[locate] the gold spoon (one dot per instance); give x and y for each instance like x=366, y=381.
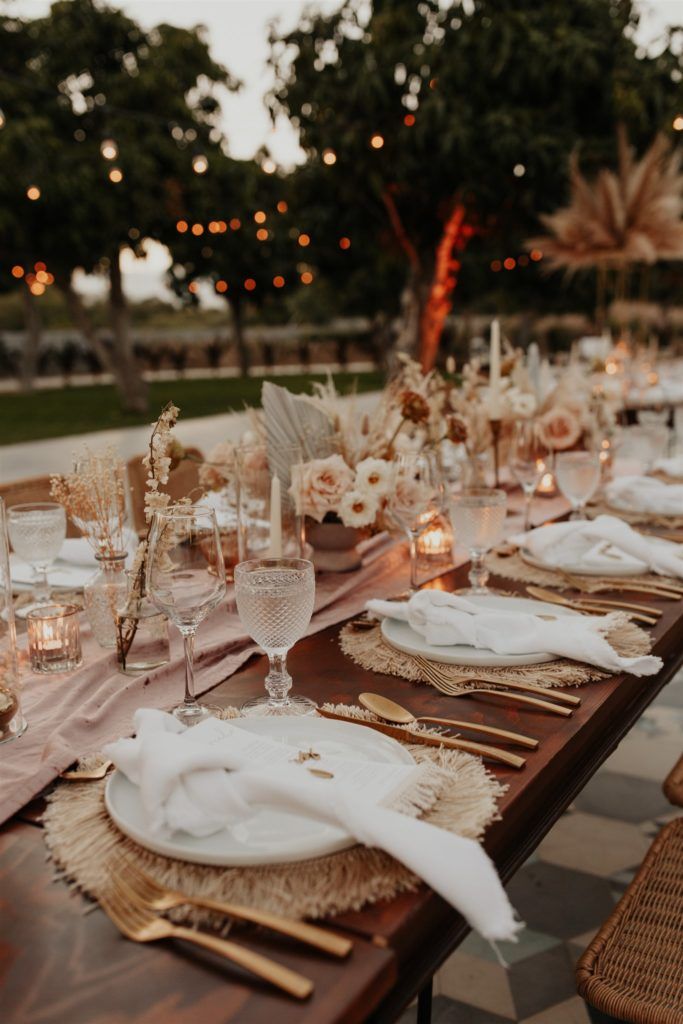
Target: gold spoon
x=390, y=711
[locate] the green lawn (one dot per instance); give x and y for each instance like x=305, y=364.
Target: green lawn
x=80, y=410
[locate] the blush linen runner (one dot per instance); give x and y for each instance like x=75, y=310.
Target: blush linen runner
x=198, y=780
x=595, y=543
x=446, y=619
x=75, y=714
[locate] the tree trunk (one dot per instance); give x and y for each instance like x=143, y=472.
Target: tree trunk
x=79, y=315
x=34, y=328
x=134, y=396
x=439, y=304
x=243, y=355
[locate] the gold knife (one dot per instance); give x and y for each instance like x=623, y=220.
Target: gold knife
x=408, y=736
x=590, y=605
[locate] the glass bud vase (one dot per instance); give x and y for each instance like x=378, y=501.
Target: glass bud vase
x=142, y=642
x=102, y=596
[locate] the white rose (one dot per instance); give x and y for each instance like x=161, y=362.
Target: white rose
x=319, y=486
x=358, y=508
x=373, y=476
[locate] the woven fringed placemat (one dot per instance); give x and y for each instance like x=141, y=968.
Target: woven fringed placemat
x=514, y=567
x=455, y=792
x=601, y=508
x=368, y=649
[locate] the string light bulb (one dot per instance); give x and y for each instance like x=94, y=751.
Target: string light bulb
x=3, y=119
x=116, y=175
x=200, y=163
x=677, y=123
x=329, y=157
x=260, y=217
x=377, y=141
x=33, y=193
x=17, y=270
x=109, y=149
x=304, y=240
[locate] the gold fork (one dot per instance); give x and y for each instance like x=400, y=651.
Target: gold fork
x=598, y=584
x=142, y=925
x=506, y=684
x=150, y=893
x=453, y=686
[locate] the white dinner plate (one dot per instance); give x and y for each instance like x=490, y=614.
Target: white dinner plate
x=73, y=568
x=615, y=563
x=270, y=836
x=403, y=637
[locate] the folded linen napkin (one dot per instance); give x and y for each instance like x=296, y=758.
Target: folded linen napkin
x=446, y=619
x=645, y=494
x=600, y=542
x=196, y=780
x=673, y=467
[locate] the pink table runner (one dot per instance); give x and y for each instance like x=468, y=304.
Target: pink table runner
x=76, y=714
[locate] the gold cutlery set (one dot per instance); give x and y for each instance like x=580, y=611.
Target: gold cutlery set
x=135, y=903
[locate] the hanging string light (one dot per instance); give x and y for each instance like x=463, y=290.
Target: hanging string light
x=377, y=141
x=329, y=157
x=33, y=192
x=200, y=163
x=109, y=149
x=3, y=119
x=116, y=175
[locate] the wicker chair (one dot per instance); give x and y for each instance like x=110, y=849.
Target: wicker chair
x=181, y=481
x=633, y=968
x=36, y=488
x=673, y=784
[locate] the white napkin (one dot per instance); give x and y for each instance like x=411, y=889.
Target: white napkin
x=645, y=494
x=184, y=785
x=673, y=467
x=446, y=619
x=600, y=542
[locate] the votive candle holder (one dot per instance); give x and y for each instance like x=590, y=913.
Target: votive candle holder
x=54, y=638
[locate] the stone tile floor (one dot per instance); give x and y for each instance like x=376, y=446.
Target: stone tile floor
x=569, y=886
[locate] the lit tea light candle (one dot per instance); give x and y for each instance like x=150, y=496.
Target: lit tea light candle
x=547, y=487
x=54, y=640
x=435, y=543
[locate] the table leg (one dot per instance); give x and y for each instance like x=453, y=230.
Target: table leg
x=424, y=1004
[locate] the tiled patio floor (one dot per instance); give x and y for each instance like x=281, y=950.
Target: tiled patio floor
x=570, y=885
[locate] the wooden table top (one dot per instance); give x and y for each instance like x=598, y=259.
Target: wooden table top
x=60, y=965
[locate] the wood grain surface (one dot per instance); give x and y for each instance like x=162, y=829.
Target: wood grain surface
x=62, y=965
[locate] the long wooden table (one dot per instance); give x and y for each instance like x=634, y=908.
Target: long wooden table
x=61, y=965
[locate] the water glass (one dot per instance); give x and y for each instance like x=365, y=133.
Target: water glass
x=478, y=516
x=415, y=501
x=185, y=579
x=12, y=722
x=37, y=531
x=578, y=476
x=275, y=602
x=528, y=462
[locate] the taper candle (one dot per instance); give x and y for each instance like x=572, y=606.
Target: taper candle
x=275, y=548
x=494, y=373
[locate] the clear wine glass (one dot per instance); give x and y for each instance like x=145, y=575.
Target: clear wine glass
x=478, y=516
x=185, y=579
x=275, y=602
x=37, y=531
x=415, y=500
x=528, y=462
x=578, y=476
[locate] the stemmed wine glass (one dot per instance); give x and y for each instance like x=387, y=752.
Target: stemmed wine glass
x=528, y=462
x=37, y=531
x=578, y=476
x=415, y=501
x=478, y=516
x=275, y=602
x=185, y=579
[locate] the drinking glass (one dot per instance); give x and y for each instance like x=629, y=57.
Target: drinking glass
x=578, y=476
x=275, y=603
x=528, y=462
x=415, y=500
x=37, y=531
x=478, y=516
x=185, y=579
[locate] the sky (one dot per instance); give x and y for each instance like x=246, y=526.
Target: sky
x=238, y=36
